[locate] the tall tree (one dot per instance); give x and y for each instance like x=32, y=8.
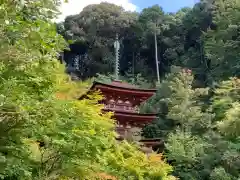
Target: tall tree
x=186, y=47
x=94, y=30
x=152, y=20
x=222, y=43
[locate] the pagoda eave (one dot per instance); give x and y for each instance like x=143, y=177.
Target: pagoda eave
x=120, y=85
x=117, y=90
x=132, y=117
x=151, y=142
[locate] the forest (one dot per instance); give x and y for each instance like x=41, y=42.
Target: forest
x=192, y=58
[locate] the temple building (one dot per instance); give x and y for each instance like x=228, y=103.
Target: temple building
x=124, y=100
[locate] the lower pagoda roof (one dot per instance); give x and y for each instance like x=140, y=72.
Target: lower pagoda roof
x=133, y=117
x=151, y=142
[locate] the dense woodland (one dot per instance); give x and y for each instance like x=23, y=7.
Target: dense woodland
x=46, y=133
x=203, y=38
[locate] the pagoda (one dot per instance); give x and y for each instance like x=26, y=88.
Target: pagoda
x=124, y=100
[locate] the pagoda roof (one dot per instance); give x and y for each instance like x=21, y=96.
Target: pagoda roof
x=121, y=85
x=135, y=114
x=133, y=117
x=129, y=113
x=151, y=142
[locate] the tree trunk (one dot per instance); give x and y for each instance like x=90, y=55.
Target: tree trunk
x=156, y=56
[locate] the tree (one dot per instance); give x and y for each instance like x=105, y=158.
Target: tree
x=178, y=40
x=152, y=19
x=94, y=30
x=186, y=41
x=200, y=131
x=226, y=98
x=176, y=105
x=199, y=148
x=222, y=41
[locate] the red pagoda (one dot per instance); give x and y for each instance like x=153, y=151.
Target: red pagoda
x=124, y=99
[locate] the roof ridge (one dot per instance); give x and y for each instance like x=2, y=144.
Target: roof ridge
x=123, y=85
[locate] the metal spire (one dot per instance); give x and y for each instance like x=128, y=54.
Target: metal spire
x=117, y=47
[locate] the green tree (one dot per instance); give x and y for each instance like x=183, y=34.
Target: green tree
x=94, y=30
x=177, y=104
x=200, y=132
x=204, y=146
x=222, y=42
x=186, y=44
x=212, y=152
x=227, y=98
x=153, y=21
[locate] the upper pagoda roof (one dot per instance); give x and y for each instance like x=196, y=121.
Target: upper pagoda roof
x=121, y=85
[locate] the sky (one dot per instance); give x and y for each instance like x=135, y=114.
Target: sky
x=76, y=6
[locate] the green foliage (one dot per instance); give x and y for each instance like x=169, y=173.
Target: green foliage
x=125, y=159
x=216, y=152
x=226, y=95
x=204, y=38
x=222, y=42
x=202, y=141
x=105, y=78
x=185, y=44
x=185, y=151
x=152, y=19
x=45, y=132
x=228, y=120
x=93, y=31
x=220, y=174
x=198, y=109
x=178, y=104
x=230, y=125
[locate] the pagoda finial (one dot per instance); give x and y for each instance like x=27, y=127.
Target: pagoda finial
x=117, y=46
